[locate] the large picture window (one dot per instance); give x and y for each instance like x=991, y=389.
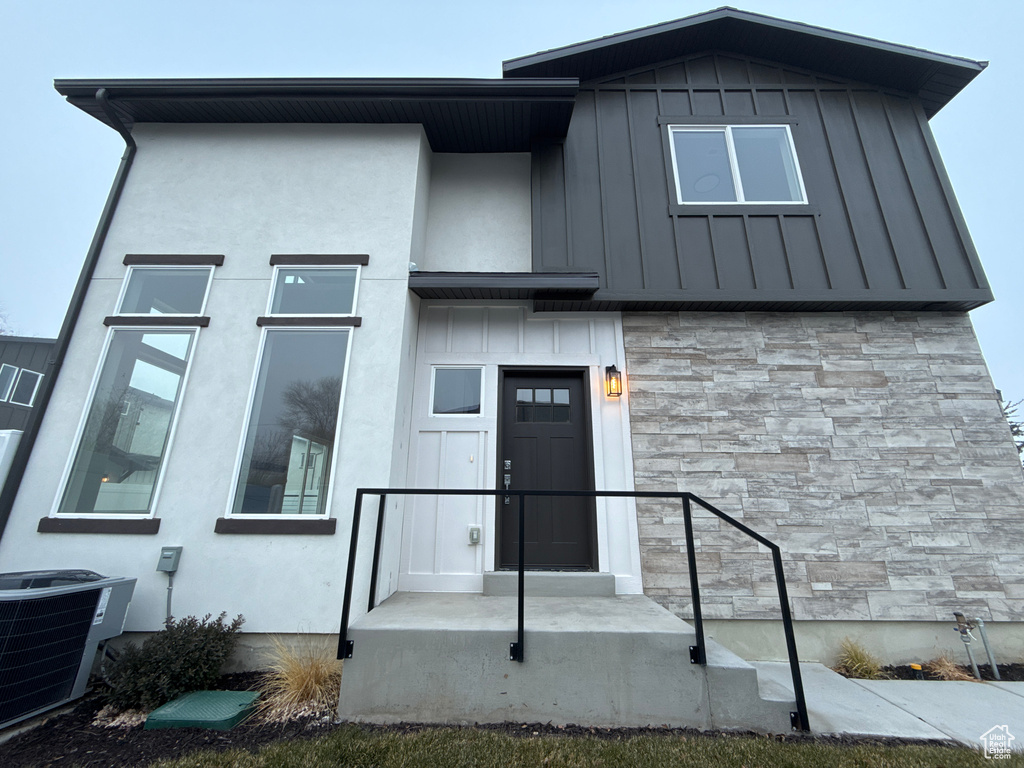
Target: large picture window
x=735, y=164
x=120, y=455
x=289, y=444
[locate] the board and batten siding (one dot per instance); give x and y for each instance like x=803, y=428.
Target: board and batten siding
x=881, y=227
x=462, y=451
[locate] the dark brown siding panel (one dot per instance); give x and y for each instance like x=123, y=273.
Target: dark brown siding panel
x=707, y=103
x=806, y=261
x=696, y=253
x=816, y=154
x=739, y=103
x=673, y=73
x=676, y=103
x=583, y=189
x=859, y=193
x=768, y=253
x=903, y=219
x=661, y=267
x=733, y=71
x=771, y=103
x=924, y=178
x=702, y=71
x=549, y=215
x=625, y=261
x=762, y=73
x=732, y=256
x=881, y=226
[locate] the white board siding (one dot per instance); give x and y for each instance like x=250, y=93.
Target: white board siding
x=461, y=451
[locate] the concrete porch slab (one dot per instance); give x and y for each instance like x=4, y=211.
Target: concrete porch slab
x=609, y=661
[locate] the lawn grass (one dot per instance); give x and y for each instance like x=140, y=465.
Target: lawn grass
x=354, y=747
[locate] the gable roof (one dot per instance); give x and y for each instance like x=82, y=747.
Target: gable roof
x=934, y=77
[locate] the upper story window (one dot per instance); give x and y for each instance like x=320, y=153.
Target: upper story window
x=754, y=164
x=165, y=291
x=306, y=291
x=18, y=386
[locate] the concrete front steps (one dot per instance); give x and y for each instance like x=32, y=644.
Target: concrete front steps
x=596, y=659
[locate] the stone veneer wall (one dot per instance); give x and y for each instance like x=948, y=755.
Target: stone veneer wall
x=869, y=445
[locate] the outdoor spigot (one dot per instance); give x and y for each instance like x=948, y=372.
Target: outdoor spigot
x=964, y=627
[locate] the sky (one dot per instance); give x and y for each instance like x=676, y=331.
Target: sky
x=57, y=164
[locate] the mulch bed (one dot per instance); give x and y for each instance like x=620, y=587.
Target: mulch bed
x=71, y=739
x=1008, y=673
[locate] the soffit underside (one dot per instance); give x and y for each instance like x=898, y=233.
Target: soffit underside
x=456, y=115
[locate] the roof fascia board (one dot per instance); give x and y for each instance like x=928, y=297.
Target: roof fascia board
x=743, y=16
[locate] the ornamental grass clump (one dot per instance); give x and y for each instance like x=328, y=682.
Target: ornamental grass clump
x=185, y=656
x=301, y=682
x=944, y=668
x=855, y=661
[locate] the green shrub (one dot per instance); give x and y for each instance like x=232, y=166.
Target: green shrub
x=184, y=656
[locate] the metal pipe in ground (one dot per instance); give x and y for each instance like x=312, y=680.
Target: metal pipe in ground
x=988, y=648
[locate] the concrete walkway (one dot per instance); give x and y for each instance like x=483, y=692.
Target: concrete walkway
x=912, y=709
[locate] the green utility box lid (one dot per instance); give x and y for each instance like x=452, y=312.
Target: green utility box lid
x=220, y=710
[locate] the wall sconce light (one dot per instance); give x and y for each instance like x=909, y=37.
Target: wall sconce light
x=612, y=382
x=105, y=478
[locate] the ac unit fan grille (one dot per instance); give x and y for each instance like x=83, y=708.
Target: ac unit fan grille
x=41, y=645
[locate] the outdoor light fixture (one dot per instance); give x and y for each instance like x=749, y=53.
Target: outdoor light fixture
x=612, y=381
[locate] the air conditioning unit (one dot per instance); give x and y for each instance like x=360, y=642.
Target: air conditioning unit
x=51, y=625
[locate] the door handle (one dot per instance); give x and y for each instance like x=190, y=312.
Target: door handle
x=508, y=482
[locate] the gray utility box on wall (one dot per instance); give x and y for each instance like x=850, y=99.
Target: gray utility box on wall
x=51, y=624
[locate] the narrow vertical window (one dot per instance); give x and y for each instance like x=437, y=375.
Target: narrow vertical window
x=24, y=391
x=289, y=445
x=121, y=451
x=8, y=373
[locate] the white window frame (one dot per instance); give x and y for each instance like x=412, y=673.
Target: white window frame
x=17, y=380
x=313, y=316
x=250, y=401
x=727, y=130
x=168, y=268
x=79, y=432
x=433, y=380
x=14, y=380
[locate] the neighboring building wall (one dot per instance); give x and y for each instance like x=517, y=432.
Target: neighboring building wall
x=24, y=353
x=869, y=446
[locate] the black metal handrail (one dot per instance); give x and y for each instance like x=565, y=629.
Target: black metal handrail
x=698, y=655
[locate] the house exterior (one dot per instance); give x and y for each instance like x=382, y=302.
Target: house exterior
x=24, y=362
x=304, y=287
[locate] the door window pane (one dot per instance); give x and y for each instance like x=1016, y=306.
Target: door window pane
x=289, y=440
x=124, y=442
x=310, y=291
x=767, y=172
x=456, y=391
x=25, y=390
x=702, y=162
x=156, y=291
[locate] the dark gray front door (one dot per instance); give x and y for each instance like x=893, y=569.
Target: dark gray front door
x=545, y=446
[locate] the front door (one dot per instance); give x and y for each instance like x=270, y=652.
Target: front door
x=545, y=446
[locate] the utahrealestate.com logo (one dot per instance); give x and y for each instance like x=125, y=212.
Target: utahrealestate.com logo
x=996, y=741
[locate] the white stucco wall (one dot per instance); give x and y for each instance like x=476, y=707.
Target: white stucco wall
x=479, y=214
x=246, y=192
